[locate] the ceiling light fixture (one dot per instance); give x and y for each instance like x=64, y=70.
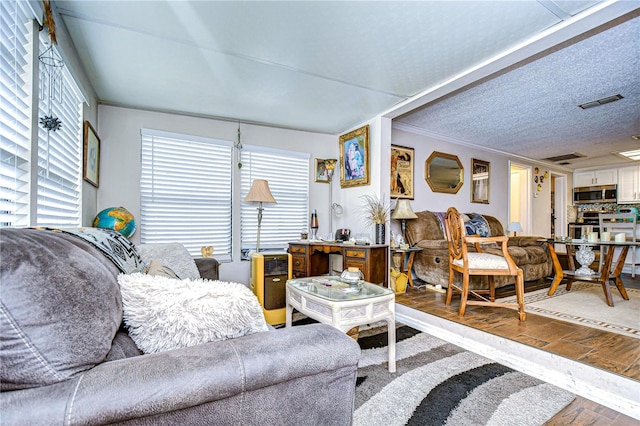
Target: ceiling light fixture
x=633, y=154
x=602, y=101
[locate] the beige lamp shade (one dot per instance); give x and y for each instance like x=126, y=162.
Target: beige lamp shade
x=260, y=192
x=403, y=210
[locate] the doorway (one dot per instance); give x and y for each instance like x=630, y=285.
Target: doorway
x=520, y=196
x=559, y=224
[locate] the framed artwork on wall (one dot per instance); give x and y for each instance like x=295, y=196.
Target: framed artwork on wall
x=401, y=172
x=479, y=181
x=91, y=156
x=354, y=158
x=321, y=171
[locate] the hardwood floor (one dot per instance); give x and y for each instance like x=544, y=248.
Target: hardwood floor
x=609, y=351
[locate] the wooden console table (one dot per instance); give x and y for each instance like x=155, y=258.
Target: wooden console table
x=312, y=259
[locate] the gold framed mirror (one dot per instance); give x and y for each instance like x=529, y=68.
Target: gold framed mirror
x=444, y=172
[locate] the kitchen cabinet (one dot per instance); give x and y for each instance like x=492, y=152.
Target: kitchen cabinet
x=629, y=184
x=595, y=177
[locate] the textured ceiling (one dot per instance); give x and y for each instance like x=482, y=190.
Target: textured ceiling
x=533, y=109
x=329, y=66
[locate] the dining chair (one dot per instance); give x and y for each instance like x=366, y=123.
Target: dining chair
x=620, y=223
x=470, y=263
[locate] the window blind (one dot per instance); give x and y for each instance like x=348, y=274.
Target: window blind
x=288, y=175
x=15, y=110
x=59, y=152
x=185, y=192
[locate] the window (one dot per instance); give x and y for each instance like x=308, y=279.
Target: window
x=185, y=192
x=52, y=197
x=287, y=173
x=59, y=152
x=15, y=110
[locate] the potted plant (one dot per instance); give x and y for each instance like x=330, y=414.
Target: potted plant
x=376, y=212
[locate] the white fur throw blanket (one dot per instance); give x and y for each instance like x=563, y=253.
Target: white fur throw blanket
x=164, y=313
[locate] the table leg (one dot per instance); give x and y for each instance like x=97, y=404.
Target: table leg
x=391, y=343
x=618, y=270
x=572, y=265
x=410, y=266
x=288, y=313
x=557, y=269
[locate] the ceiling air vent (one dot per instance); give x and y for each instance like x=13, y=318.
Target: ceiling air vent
x=564, y=157
x=601, y=101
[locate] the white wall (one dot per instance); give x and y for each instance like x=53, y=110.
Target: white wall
x=119, y=131
x=349, y=198
x=426, y=199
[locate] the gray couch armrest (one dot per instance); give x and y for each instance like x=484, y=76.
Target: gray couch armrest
x=208, y=267
x=297, y=375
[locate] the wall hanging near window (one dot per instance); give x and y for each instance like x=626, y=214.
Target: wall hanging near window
x=51, y=64
x=91, y=163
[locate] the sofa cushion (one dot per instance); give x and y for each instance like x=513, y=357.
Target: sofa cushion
x=60, y=310
x=163, y=313
x=158, y=269
x=173, y=255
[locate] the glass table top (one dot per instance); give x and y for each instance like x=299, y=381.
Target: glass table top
x=331, y=288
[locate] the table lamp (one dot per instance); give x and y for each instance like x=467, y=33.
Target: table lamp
x=403, y=212
x=259, y=193
x=515, y=227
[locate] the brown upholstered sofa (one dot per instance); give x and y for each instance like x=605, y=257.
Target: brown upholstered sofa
x=432, y=264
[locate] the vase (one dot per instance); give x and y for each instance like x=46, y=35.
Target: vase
x=380, y=233
x=585, y=257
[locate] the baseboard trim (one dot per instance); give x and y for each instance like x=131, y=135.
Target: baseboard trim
x=611, y=390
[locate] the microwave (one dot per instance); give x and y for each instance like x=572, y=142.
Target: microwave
x=595, y=194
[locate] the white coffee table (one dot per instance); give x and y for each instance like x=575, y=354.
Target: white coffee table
x=344, y=307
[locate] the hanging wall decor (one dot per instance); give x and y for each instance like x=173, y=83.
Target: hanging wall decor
x=51, y=67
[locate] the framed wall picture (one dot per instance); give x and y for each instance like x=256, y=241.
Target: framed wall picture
x=354, y=158
x=401, y=172
x=479, y=181
x=91, y=162
x=322, y=174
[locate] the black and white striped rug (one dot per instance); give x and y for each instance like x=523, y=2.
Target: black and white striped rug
x=438, y=383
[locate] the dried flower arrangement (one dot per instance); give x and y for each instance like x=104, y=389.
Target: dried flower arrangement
x=376, y=210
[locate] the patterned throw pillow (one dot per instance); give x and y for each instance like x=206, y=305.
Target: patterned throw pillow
x=112, y=244
x=477, y=225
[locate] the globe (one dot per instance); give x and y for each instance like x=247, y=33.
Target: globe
x=117, y=218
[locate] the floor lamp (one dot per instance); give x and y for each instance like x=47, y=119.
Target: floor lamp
x=330, y=165
x=260, y=193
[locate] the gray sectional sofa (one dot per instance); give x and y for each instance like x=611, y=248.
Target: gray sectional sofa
x=66, y=358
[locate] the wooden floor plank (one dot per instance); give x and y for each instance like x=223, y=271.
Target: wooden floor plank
x=614, y=352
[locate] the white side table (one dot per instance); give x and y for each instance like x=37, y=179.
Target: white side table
x=343, y=307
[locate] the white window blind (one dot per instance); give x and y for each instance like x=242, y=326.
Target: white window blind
x=288, y=176
x=15, y=110
x=59, y=152
x=185, y=192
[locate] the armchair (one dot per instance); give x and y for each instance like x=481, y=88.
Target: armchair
x=478, y=263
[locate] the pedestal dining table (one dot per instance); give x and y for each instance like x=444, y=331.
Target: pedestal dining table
x=585, y=256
